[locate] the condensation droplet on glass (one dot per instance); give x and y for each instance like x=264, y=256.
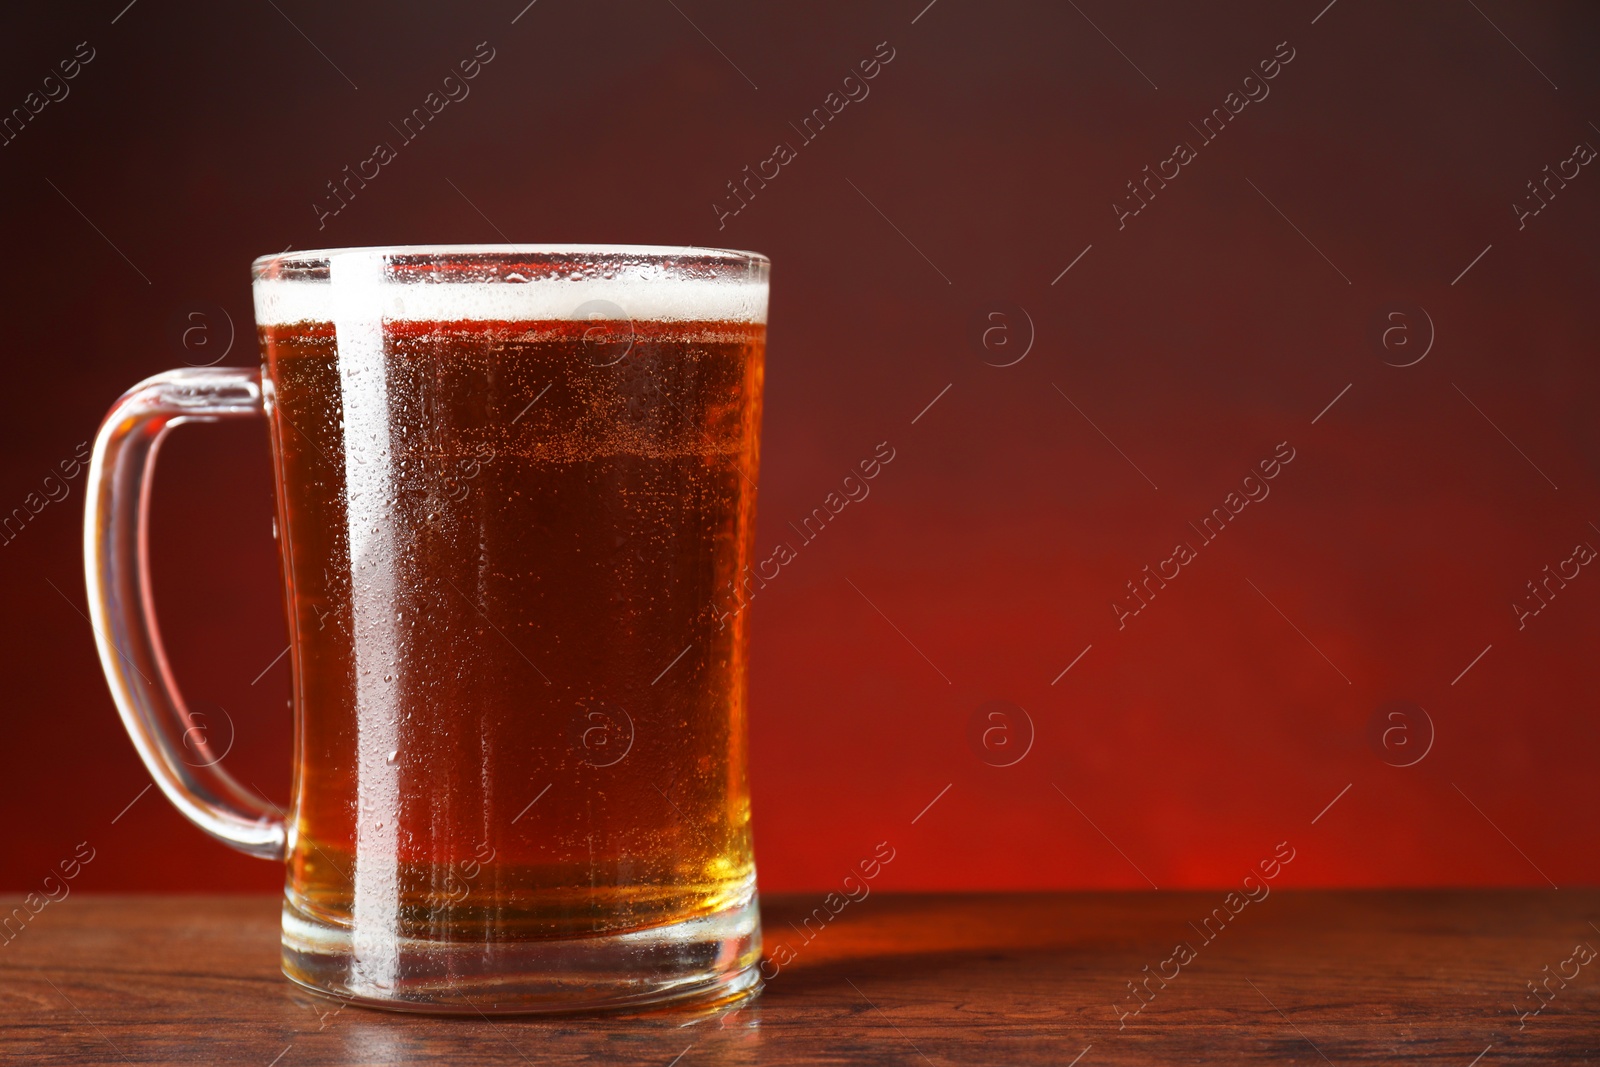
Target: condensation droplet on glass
x=394, y=755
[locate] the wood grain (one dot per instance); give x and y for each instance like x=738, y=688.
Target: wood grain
x=1304, y=977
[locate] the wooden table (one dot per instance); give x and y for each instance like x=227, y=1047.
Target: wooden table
x=1302, y=977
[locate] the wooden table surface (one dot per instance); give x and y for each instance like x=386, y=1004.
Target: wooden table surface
x=1301, y=977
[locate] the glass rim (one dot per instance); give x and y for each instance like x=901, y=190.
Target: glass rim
x=264, y=267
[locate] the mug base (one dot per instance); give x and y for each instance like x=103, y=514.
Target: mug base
x=710, y=961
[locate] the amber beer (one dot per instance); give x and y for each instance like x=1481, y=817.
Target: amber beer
x=561, y=751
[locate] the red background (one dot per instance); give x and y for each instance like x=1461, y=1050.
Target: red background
x=1177, y=751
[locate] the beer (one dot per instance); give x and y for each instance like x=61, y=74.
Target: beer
x=520, y=716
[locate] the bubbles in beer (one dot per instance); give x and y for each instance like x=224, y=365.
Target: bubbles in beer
x=545, y=559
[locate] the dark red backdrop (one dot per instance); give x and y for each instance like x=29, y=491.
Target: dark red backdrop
x=1177, y=352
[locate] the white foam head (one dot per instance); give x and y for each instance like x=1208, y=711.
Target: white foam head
x=569, y=282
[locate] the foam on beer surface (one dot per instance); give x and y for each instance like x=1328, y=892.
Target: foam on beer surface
x=281, y=302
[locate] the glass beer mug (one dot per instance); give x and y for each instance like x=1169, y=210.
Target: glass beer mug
x=515, y=496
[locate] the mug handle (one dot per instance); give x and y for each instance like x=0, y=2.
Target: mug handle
x=117, y=569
